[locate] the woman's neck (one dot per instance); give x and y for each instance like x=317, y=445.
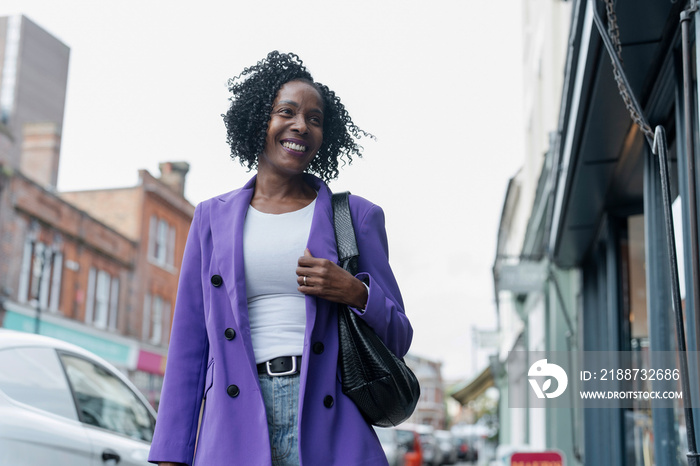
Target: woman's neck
x=277, y=195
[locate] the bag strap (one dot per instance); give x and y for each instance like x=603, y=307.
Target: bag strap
x=348, y=252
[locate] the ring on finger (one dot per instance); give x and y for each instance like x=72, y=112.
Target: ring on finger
x=304, y=280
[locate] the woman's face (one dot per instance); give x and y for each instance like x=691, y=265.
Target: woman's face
x=295, y=129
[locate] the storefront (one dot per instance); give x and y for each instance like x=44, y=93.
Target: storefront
x=607, y=214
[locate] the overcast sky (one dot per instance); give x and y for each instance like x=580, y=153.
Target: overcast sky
x=439, y=84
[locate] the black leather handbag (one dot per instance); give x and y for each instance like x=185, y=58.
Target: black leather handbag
x=381, y=385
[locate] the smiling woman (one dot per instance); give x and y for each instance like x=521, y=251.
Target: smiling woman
x=253, y=93
x=254, y=343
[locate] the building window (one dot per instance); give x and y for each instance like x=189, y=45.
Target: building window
x=40, y=274
x=156, y=320
x=114, y=304
x=161, y=242
x=102, y=305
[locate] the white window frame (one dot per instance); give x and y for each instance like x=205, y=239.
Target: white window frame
x=102, y=288
x=146, y=317
x=166, y=322
x=102, y=301
x=90, y=298
x=170, y=254
x=161, y=242
x=55, y=297
x=114, y=305
x=25, y=271
x=161, y=252
x=48, y=279
x=156, y=320
x=44, y=284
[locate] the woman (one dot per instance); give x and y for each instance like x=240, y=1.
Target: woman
x=254, y=343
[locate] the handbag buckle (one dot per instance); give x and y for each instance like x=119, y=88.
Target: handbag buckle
x=279, y=374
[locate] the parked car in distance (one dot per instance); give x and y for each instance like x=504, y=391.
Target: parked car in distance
x=429, y=445
x=63, y=405
x=446, y=446
x=466, y=450
x=393, y=449
x=409, y=440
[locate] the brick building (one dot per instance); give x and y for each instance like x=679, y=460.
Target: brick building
x=155, y=217
x=98, y=268
x=431, y=408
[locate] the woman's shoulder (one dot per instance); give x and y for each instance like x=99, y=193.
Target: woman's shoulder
x=206, y=204
x=227, y=196
x=360, y=207
x=360, y=202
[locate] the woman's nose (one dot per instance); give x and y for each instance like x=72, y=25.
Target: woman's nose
x=299, y=124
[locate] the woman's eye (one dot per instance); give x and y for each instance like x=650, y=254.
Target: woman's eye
x=285, y=111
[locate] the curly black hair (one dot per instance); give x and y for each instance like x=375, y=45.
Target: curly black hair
x=253, y=93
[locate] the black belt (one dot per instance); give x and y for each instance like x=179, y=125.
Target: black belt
x=284, y=365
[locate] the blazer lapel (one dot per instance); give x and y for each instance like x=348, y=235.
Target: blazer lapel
x=322, y=236
x=321, y=241
x=227, y=220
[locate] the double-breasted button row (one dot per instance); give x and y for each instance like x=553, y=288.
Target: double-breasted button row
x=319, y=348
x=216, y=280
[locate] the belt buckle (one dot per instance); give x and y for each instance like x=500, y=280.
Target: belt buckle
x=279, y=374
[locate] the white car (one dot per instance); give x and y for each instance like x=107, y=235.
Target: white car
x=62, y=405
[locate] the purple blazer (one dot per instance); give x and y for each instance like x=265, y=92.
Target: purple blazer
x=210, y=359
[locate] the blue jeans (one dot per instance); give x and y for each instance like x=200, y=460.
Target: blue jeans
x=281, y=395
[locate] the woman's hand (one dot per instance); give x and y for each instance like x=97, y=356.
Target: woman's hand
x=170, y=464
x=325, y=279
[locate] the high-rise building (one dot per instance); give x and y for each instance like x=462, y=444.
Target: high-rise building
x=33, y=80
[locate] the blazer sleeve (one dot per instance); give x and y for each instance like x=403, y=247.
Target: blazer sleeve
x=384, y=311
x=183, y=386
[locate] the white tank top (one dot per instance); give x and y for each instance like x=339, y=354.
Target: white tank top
x=272, y=245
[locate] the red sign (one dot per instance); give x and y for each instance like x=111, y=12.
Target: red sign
x=541, y=458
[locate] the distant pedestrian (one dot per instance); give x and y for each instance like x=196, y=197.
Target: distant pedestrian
x=254, y=344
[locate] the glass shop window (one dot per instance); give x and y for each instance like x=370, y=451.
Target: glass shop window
x=639, y=447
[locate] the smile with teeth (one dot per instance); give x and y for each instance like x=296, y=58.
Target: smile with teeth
x=293, y=146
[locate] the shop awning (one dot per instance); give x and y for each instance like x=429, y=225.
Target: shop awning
x=473, y=389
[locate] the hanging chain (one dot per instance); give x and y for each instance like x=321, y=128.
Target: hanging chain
x=613, y=29
x=614, y=32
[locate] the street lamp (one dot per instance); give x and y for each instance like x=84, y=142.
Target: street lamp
x=43, y=255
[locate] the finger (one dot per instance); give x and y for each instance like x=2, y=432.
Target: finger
x=305, y=270
x=307, y=253
x=309, y=261
x=303, y=280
